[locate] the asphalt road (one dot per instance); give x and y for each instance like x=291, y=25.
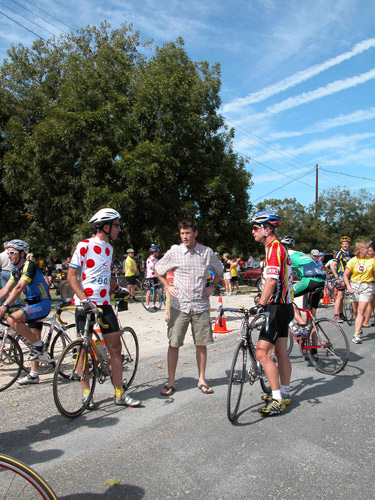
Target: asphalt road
x=184, y=446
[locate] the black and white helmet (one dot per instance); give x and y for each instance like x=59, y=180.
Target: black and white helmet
x=315, y=252
x=19, y=245
x=104, y=216
x=288, y=241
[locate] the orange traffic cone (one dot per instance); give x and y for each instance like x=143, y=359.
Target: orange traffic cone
x=326, y=299
x=223, y=327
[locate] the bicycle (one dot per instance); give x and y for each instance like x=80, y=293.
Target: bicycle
x=325, y=344
x=348, y=312
x=245, y=347
x=15, y=349
x=157, y=296
x=19, y=482
x=87, y=357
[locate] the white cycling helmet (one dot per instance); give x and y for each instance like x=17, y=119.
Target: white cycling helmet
x=19, y=245
x=288, y=241
x=315, y=252
x=104, y=216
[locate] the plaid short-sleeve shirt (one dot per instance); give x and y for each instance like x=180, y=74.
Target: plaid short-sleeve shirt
x=190, y=269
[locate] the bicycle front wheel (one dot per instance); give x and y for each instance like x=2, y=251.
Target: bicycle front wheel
x=11, y=360
x=65, y=335
x=78, y=363
x=348, y=310
x=129, y=355
x=328, y=346
x=20, y=482
x=236, y=380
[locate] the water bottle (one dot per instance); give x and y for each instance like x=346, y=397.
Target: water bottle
x=99, y=343
x=296, y=329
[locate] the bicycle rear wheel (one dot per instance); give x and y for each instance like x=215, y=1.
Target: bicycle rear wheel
x=67, y=391
x=11, y=359
x=328, y=346
x=20, y=482
x=129, y=355
x=236, y=380
x=348, y=310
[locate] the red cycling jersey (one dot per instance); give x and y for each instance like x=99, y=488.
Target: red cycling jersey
x=278, y=266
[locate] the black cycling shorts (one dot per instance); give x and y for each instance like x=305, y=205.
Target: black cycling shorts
x=130, y=280
x=280, y=317
x=108, y=318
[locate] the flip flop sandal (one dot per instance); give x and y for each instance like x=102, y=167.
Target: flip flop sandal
x=168, y=388
x=208, y=390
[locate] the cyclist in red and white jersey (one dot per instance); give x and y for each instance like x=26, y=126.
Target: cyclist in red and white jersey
x=276, y=299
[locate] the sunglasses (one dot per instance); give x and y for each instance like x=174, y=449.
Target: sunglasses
x=12, y=253
x=256, y=228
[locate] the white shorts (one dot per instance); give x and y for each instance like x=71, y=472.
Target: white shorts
x=362, y=292
x=228, y=276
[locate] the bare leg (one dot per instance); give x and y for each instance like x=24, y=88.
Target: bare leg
x=284, y=365
x=172, y=365
x=263, y=355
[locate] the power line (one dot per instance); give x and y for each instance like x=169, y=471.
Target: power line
x=348, y=175
x=27, y=19
x=40, y=17
x=38, y=36
x=48, y=14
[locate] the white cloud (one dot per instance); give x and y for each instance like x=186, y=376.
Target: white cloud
x=299, y=77
x=356, y=117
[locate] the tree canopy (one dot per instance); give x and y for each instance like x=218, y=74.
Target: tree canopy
x=89, y=121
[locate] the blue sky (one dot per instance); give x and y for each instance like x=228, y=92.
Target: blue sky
x=298, y=76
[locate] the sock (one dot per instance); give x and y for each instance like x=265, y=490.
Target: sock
x=285, y=389
x=119, y=391
x=86, y=392
x=33, y=374
x=277, y=395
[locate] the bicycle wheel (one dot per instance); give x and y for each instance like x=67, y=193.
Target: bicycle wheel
x=328, y=346
x=129, y=355
x=66, y=291
x=236, y=380
x=11, y=359
x=156, y=298
x=67, y=391
x=290, y=342
x=65, y=335
x=20, y=482
x=348, y=310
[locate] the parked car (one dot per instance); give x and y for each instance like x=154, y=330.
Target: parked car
x=253, y=275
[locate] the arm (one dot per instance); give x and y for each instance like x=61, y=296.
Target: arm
x=347, y=273
x=14, y=291
x=268, y=289
x=76, y=285
x=334, y=268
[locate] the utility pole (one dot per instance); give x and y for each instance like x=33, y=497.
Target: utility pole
x=316, y=191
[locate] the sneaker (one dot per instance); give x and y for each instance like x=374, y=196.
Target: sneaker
x=286, y=398
x=273, y=408
x=35, y=352
x=126, y=400
x=28, y=380
x=147, y=307
x=341, y=318
x=238, y=291
x=357, y=339
x=91, y=405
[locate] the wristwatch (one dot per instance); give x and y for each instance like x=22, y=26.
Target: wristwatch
x=6, y=305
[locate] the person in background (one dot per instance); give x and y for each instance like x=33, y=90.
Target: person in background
x=359, y=277
x=338, y=267
x=130, y=273
x=227, y=276
x=370, y=309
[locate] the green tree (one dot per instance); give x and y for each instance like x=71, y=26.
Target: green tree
x=91, y=122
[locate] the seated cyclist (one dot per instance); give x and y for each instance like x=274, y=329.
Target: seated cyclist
x=311, y=277
x=26, y=278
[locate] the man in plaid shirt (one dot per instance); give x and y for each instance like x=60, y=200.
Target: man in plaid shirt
x=190, y=262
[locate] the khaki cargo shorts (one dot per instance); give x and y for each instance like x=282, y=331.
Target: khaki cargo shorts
x=200, y=327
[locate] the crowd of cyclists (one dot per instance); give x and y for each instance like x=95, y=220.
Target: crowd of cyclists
x=287, y=273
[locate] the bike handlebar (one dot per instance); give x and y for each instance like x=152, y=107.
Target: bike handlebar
x=97, y=313
x=246, y=312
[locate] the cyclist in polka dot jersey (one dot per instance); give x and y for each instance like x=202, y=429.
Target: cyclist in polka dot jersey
x=89, y=276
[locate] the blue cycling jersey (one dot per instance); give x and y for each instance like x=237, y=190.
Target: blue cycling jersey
x=36, y=289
